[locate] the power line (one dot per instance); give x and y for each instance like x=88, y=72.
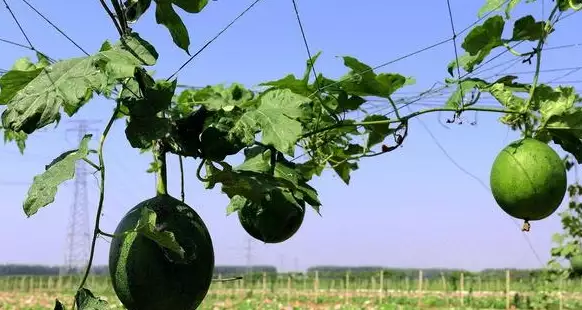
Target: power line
x=55, y=27
x=213, y=39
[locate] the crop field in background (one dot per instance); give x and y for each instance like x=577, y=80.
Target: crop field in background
x=285, y=291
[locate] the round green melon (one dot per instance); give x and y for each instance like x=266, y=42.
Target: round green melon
x=528, y=179
x=146, y=276
x=576, y=264
x=273, y=221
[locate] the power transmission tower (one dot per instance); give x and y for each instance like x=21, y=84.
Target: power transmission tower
x=249, y=255
x=78, y=235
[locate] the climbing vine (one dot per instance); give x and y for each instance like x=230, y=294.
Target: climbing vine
x=271, y=127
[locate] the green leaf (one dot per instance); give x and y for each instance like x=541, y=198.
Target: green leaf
x=184, y=138
x=277, y=116
x=309, y=67
x=561, y=119
x=135, y=9
x=120, y=61
x=310, y=168
x=557, y=238
x=249, y=184
x=22, y=73
x=554, y=103
x=292, y=83
x=464, y=87
x=362, y=81
x=526, y=28
x=566, y=127
x=217, y=97
x=506, y=96
x=140, y=132
x=156, y=98
x=341, y=163
x=67, y=84
x=191, y=6
x=166, y=239
x=236, y=203
x=216, y=144
x=59, y=305
x=570, y=142
x=144, y=125
x=346, y=102
x=466, y=61
x=483, y=38
x=376, y=132
x=44, y=186
x=496, y=5
x=85, y=300
x=18, y=137
x=252, y=181
x=298, y=86
x=139, y=48
x=258, y=159
x=167, y=16
x=479, y=43
x=245, y=129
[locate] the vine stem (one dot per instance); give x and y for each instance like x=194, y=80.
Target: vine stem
x=409, y=116
x=182, y=191
x=162, y=172
x=104, y=5
x=199, y=171
x=96, y=230
x=538, y=54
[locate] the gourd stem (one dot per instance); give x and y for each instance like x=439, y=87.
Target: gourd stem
x=526, y=226
x=162, y=172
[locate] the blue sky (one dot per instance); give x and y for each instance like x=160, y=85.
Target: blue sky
x=410, y=208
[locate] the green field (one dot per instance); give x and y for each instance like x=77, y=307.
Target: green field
x=285, y=291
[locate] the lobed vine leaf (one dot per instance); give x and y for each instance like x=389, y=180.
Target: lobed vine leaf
x=561, y=119
x=44, y=186
x=218, y=97
x=362, y=81
x=85, y=300
x=167, y=16
x=21, y=73
x=59, y=305
x=376, y=132
x=342, y=162
x=123, y=57
x=35, y=97
x=527, y=28
x=480, y=41
x=212, y=122
x=484, y=38
x=18, y=137
x=496, y=5
x=145, y=124
x=465, y=86
x=134, y=9
x=260, y=159
x=252, y=181
x=148, y=226
x=67, y=84
x=277, y=116
x=191, y=6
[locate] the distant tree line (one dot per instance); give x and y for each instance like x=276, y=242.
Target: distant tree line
x=324, y=272
x=452, y=275
x=224, y=271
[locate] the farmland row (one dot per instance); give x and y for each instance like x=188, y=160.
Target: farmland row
x=312, y=291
